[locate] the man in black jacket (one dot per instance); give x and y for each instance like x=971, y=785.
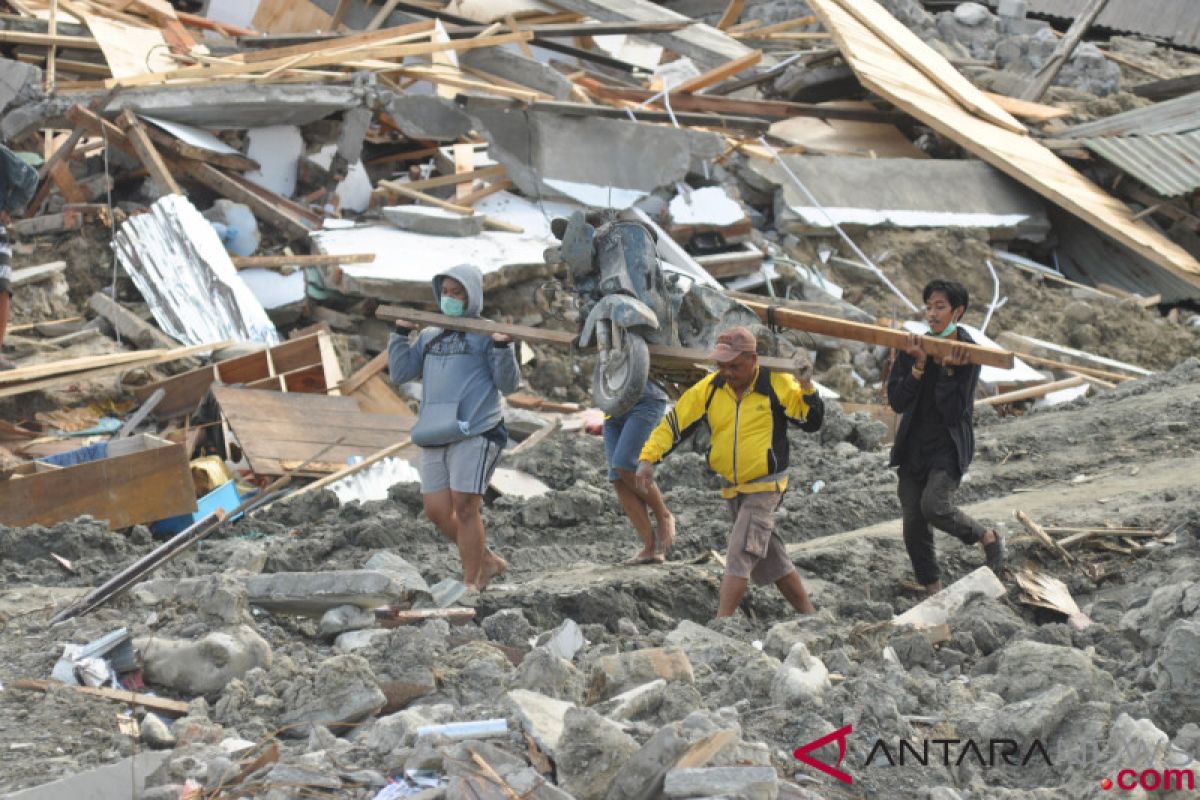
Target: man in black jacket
x=935, y=440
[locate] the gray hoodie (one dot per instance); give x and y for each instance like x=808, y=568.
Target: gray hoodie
x=463, y=374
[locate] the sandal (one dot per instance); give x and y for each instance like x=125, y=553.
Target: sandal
x=996, y=553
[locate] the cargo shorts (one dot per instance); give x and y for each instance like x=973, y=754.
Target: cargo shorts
x=755, y=550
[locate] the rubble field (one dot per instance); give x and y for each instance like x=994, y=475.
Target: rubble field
x=217, y=580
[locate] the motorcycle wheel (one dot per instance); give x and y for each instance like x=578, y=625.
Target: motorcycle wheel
x=618, y=385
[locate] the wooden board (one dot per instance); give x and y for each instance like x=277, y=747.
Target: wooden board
x=847, y=137
x=144, y=479
x=887, y=73
x=273, y=428
x=290, y=16
x=130, y=50
x=184, y=392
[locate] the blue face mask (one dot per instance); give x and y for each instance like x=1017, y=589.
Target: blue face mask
x=452, y=306
x=948, y=331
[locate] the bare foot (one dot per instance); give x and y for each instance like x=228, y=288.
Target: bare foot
x=666, y=534
x=493, y=565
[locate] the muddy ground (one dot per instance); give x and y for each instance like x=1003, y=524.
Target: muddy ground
x=1128, y=457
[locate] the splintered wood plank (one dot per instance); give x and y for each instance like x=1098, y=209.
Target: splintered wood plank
x=886, y=72
x=719, y=73
x=464, y=164
x=234, y=161
x=273, y=428
x=136, y=487
x=174, y=708
x=148, y=154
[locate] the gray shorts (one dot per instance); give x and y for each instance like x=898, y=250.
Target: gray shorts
x=755, y=550
x=465, y=467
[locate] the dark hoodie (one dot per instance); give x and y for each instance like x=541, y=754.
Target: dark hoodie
x=462, y=374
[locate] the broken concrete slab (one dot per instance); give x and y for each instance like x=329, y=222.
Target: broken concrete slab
x=692, y=742
x=901, y=192
x=611, y=675
x=740, y=783
x=341, y=691
x=591, y=753
x=937, y=609
x=345, y=618
x=540, y=716
x=315, y=593
x=519, y=69
x=231, y=106
x=433, y=221
x=406, y=573
x=119, y=781
x=20, y=84
x=394, y=276
x=634, y=702
x=604, y=163
x=421, y=116
x=204, y=666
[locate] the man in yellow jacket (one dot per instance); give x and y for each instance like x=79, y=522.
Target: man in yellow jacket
x=748, y=411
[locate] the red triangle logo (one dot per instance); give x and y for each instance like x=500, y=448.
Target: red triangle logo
x=802, y=753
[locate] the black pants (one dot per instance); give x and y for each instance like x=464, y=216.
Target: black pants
x=930, y=502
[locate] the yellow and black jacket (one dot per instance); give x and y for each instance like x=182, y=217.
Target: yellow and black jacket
x=749, y=446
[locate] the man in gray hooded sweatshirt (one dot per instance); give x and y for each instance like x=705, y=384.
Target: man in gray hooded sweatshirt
x=460, y=427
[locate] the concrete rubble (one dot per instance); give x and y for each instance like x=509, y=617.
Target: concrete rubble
x=272, y=184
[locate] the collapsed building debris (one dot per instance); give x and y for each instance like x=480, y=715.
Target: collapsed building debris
x=233, y=208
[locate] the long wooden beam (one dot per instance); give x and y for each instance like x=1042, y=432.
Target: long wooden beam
x=174, y=708
x=873, y=334
x=717, y=104
x=1030, y=392
x=148, y=154
x=49, y=40
x=533, y=335
x=319, y=260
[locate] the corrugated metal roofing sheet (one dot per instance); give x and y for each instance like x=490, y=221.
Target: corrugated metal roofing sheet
x=1172, y=116
x=1169, y=164
x=1174, y=21
x=1086, y=256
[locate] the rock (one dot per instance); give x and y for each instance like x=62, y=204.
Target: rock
x=409, y=575
x=476, y=672
x=566, y=640
x=299, y=777
x=345, y=618
x=817, y=631
x=243, y=555
x=20, y=84
x=205, y=666
x=508, y=626
x=543, y=672
x=540, y=716
x=155, y=733
x=217, y=598
x=1139, y=745
x=591, y=751
x=1148, y=623
x=636, y=702
x=743, y=783
x=357, y=640
x=611, y=675
x=399, y=730
x=802, y=678
x=989, y=623
x=317, y=592
x=690, y=743
x=706, y=648
x=971, y=14
x=1176, y=695
x=913, y=649
x=1187, y=738
x=1024, y=669
x=1034, y=718
x=341, y=690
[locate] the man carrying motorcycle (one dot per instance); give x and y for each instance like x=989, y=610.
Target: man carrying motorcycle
x=748, y=410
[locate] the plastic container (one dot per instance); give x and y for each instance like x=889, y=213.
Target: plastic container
x=224, y=497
